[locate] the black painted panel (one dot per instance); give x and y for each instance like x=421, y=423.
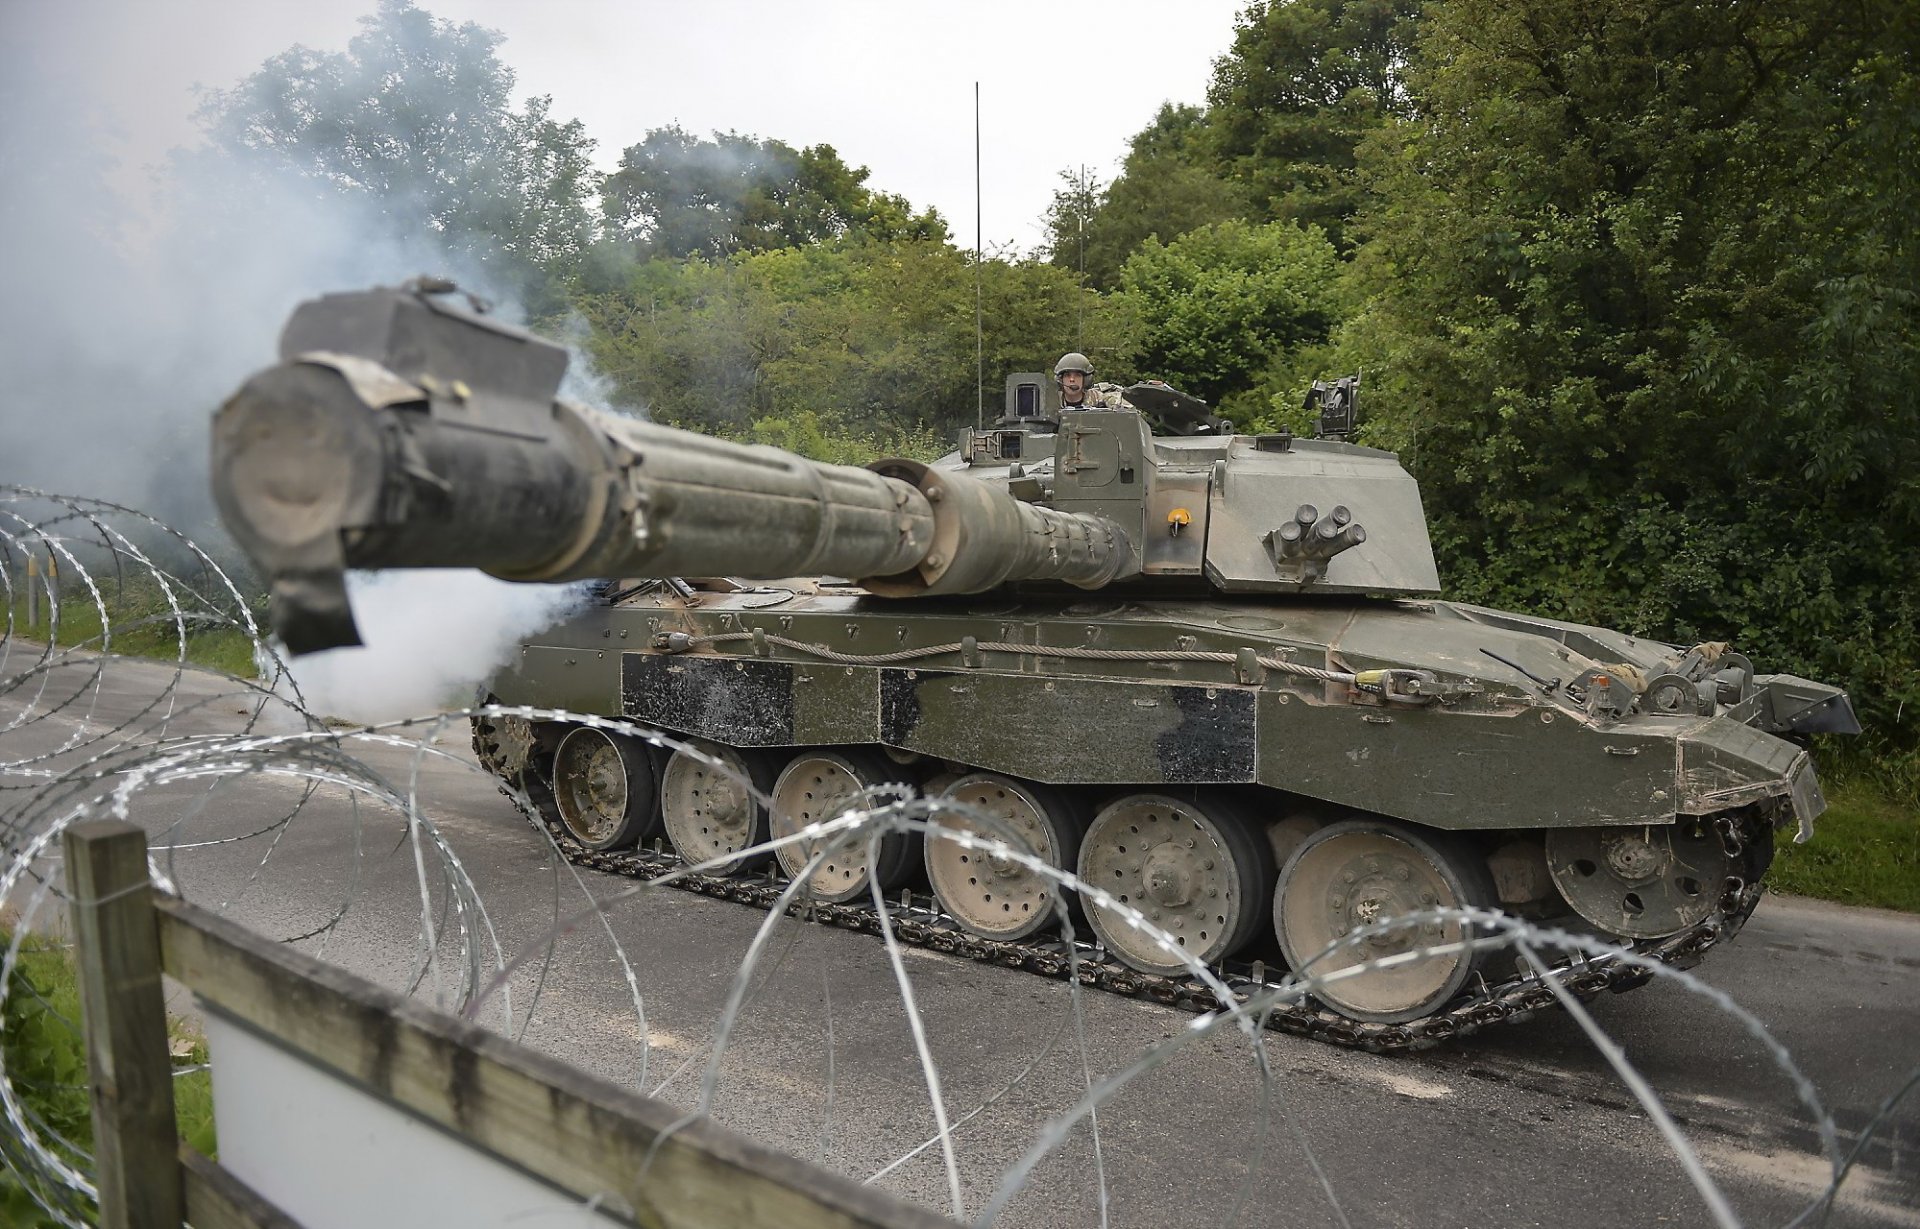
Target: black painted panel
x=1215, y=740
x=742, y=701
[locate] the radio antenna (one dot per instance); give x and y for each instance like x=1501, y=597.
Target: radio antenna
x=979, y=336
x=1081, y=208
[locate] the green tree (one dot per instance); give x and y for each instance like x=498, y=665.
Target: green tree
x=1644, y=301
x=1071, y=220
x=416, y=118
x=1304, y=82
x=1166, y=188
x=1220, y=306
x=680, y=195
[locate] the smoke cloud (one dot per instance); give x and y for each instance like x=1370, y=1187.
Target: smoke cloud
x=430, y=637
x=124, y=320
x=126, y=316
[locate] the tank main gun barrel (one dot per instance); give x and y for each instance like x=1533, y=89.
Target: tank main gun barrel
x=400, y=431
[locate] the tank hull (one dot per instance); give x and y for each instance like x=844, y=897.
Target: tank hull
x=1370, y=758
x=1498, y=755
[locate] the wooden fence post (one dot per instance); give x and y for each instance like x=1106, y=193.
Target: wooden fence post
x=117, y=949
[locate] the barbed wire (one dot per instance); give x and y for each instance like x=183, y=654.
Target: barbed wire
x=248, y=794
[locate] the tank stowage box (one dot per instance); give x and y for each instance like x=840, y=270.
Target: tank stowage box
x=1209, y=672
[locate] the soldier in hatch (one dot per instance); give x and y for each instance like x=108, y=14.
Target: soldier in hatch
x=1074, y=374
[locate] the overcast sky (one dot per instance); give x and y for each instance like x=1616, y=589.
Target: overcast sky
x=890, y=85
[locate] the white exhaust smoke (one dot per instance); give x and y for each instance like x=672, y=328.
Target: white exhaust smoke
x=430, y=638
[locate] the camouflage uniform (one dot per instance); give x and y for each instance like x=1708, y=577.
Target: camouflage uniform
x=1103, y=396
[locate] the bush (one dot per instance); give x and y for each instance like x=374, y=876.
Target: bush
x=46, y=1062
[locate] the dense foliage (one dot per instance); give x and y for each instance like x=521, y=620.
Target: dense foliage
x=1633, y=283
x=873, y=338
x=1640, y=287
x=1224, y=304
x=1305, y=82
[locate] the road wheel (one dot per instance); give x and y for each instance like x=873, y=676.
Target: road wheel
x=817, y=786
x=709, y=812
x=991, y=895
x=1358, y=872
x=605, y=788
x=1193, y=868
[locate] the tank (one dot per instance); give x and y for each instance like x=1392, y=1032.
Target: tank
x=1208, y=672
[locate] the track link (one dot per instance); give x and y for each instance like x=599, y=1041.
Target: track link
x=917, y=920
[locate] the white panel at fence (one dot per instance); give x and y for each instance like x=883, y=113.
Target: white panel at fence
x=332, y=1155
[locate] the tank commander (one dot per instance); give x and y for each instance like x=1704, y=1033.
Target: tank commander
x=1074, y=376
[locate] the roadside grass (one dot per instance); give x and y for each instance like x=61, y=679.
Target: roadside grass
x=1865, y=851
x=143, y=625
x=46, y=1062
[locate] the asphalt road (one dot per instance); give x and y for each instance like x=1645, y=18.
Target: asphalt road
x=1525, y=1125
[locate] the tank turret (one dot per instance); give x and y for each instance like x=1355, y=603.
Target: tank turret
x=401, y=431
x=1207, y=672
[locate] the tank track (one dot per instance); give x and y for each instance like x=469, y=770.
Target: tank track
x=917, y=920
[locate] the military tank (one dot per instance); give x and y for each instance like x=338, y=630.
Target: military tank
x=1209, y=672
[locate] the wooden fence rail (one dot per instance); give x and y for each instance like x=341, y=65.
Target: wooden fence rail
x=583, y=1137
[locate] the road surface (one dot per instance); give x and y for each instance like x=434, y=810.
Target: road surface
x=1520, y=1126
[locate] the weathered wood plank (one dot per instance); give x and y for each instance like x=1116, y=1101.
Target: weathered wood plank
x=581, y=1134
x=135, y=1141
x=218, y=1200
